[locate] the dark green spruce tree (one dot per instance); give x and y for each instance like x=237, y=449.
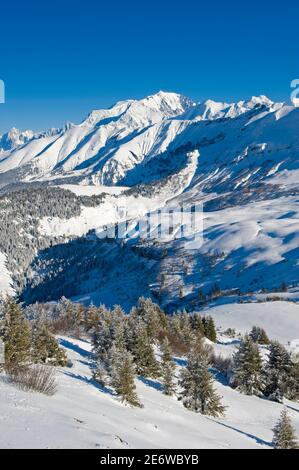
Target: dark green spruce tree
x=167, y=368
x=145, y=360
x=45, y=348
x=123, y=377
x=247, y=368
x=284, y=434
x=16, y=337
x=198, y=392
x=277, y=372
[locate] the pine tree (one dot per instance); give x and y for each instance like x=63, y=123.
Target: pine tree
x=16, y=336
x=247, y=367
x=210, y=329
x=293, y=382
x=277, y=372
x=167, y=369
x=197, y=324
x=68, y=314
x=284, y=434
x=151, y=315
x=91, y=319
x=102, y=342
x=45, y=348
x=197, y=383
x=259, y=335
x=123, y=377
x=119, y=333
x=146, y=363
x=185, y=326
x=130, y=331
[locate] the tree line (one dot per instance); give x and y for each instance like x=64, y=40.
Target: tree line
x=150, y=344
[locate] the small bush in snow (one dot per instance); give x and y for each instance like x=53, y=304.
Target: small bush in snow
x=36, y=378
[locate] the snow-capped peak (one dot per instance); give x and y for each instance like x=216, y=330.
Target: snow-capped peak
x=211, y=110
x=144, y=112
x=15, y=138
x=262, y=100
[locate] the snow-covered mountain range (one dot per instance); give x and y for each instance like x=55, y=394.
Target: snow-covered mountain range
x=241, y=160
x=113, y=145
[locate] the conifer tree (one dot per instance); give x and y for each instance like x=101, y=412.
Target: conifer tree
x=16, y=336
x=197, y=324
x=185, y=326
x=102, y=342
x=277, y=372
x=167, y=368
x=45, y=348
x=259, y=335
x=247, y=367
x=197, y=385
x=91, y=319
x=210, y=329
x=123, y=377
x=146, y=362
x=68, y=312
x=130, y=331
x=284, y=434
x=293, y=383
x=119, y=329
x=151, y=315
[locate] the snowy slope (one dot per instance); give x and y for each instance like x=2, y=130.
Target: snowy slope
x=5, y=278
x=279, y=319
x=81, y=415
x=109, y=212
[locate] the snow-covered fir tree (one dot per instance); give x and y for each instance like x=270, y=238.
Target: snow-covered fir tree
x=151, y=315
x=167, y=368
x=45, y=348
x=210, y=329
x=293, y=382
x=146, y=362
x=277, y=372
x=119, y=328
x=284, y=436
x=259, y=335
x=16, y=336
x=247, y=368
x=123, y=377
x=197, y=324
x=102, y=342
x=198, y=392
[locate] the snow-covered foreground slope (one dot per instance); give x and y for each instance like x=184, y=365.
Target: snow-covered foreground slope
x=81, y=415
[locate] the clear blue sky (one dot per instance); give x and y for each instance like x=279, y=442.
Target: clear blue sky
x=60, y=59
